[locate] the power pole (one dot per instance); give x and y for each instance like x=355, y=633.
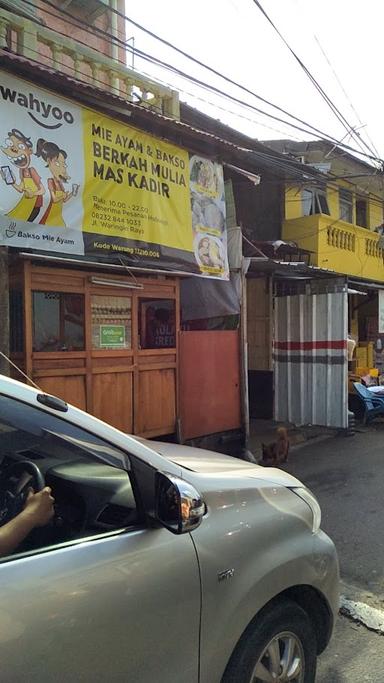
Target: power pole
x=4, y=310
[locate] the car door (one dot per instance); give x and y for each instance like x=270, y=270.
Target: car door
x=122, y=605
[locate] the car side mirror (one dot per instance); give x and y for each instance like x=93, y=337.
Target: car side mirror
x=179, y=507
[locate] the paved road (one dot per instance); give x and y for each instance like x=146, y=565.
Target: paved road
x=347, y=476
x=355, y=655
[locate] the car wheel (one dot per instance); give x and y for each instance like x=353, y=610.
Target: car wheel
x=279, y=646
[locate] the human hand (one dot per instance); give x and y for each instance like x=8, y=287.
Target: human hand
x=39, y=506
x=29, y=193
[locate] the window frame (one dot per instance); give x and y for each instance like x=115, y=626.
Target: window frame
x=142, y=323
x=316, y=202
x=118, y=295
x=346, y=198
x=359, y=201
x=142, y=520
x=62, y=323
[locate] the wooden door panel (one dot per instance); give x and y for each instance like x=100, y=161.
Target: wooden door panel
x=70, y=388
x=209, y=382
x=157, y=402
x=113, y=399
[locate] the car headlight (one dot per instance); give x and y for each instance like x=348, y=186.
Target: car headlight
x=309, y=498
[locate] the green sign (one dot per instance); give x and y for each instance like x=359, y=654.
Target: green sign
x=112, y=335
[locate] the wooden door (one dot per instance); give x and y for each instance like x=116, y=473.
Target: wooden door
x=156, y=371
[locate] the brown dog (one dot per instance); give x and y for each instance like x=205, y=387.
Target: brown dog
x=277, y=452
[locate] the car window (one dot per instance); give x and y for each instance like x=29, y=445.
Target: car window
x=90, y=479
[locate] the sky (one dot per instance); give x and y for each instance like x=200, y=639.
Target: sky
x=339, y=41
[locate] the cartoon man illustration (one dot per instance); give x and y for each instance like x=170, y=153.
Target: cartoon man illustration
x=18, y=150
x=56, y=162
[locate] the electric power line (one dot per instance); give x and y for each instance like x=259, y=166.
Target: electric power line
x=286, y=166
x=277, y=163
x=318, y=87
x=340, y=84
x=200, y=83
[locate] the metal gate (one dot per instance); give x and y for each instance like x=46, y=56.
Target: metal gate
x=310, y=353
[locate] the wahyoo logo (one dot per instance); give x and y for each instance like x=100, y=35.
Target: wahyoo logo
x=38, y=109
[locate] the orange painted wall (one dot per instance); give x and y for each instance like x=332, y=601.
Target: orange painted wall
x=209, y=398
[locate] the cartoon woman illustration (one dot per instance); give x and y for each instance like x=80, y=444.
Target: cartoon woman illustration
x=56, y=162
x=18, y=150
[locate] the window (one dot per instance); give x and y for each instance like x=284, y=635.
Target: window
x=89, y=479
x=111, y=322
x=361, y=212
x=346, y=205
x=157, y=323
x=314, y=202
x=58, y=321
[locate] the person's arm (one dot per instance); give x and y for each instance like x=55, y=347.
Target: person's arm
x=37, y=512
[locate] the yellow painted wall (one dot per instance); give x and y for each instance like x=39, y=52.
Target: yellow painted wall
x=337, y=251
x=333, y=201
x=305, y=232
x=293, y=205
x=375, y=213
x=311, y=232
x=294, y=208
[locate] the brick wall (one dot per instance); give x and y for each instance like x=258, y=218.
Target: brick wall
x=89, y=37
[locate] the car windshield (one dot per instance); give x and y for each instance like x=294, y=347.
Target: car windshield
x=22, y=434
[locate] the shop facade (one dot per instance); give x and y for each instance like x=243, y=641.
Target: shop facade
x=113, y=344
x=93, y=340
x=96, y=268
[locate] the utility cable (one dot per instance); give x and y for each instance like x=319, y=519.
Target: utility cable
x=246, y=104
x=283, y=166
x=340, y=84
x=200, y=83
x=318, y=87
x=205, y=66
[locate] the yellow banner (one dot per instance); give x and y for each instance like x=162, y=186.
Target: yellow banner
x=73, y=180
x=136, y=187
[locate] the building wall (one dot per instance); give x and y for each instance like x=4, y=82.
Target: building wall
x=259, y=323
x=259, y=337
x=64, y=25
x=259, y=209
x=294, y=205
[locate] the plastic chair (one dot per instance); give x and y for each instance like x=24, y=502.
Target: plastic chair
x=373, y=404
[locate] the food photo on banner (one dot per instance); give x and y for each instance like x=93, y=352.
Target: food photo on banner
x=75, y=181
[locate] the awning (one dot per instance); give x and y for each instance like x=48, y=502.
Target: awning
x=252, y=177
x=366, y=284
x=356, y=291
x=298, y=270
x=286, y=270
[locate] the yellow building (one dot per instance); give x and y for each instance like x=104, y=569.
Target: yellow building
x=337, y=220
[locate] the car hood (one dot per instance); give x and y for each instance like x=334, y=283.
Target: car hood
x=208, y=463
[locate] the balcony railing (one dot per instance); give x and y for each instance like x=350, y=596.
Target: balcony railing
x=38, y=43
x=338, y=246
x=341, y=239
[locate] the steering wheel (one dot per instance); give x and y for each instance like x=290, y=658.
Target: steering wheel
x=14, y=487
